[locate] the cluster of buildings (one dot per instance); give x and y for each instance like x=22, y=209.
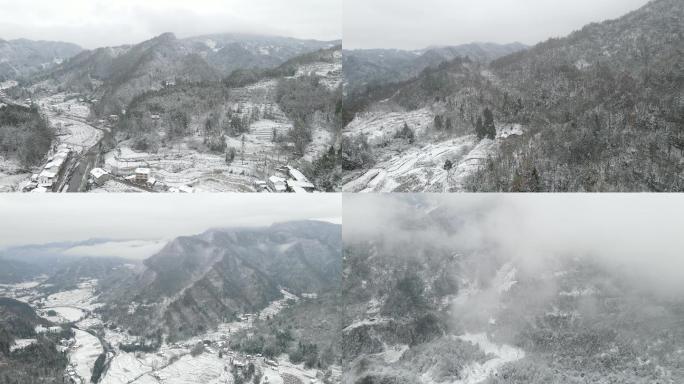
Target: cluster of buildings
x=45, y=180
x=141, y=177
x=70, y=375
x=287, y=179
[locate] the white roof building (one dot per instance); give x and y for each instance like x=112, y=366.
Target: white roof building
x=98, y=172
x=299, y=180
x=277, y=183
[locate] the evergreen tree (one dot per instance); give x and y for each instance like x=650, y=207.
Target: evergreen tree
x=479, y=130
x=438, y=122
x=489, y=128
x=449, y=124
x=406, y=133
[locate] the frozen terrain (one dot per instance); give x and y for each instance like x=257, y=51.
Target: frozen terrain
x=418, y=166
x=68, y=116
x=173, y=363
x=21, y=344
x=380, y=127
x=83, y=353
x=421, y=168
x=475, y=372
x=11, y=175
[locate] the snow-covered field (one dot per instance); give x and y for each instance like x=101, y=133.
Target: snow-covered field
x=114, y=186
x=205, y=368
x=83, y=297
x=183, y=166
x=64, y=314
x=77, y=135
x=68, y=118
x=421, y=168
x=83, y=353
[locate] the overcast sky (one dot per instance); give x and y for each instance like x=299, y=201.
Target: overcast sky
x=47, y=218
x=419, y=24
x=95, y=23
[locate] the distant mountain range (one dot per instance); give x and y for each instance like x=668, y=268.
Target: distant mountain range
x=22, y=57
x=374, y=67
x=115, y=75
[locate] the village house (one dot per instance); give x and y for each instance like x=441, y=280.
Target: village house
x=277, y=184
x=47, y=177
x=100, y=176
x=142, y=175
x=298, y=182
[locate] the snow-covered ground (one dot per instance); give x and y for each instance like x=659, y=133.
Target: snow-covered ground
x=381, y=127
x=204, y=368
x=68, y=117
x=83, y=353
x=64, y=314
x=182, y=166
x=11, y=175
x=21, y=344
x=82, y=297
x=421, y=168
x=475, y=372
x=509, y=130
x=276, y=306
x=172, y=363
x=331, y=72
x=8, y=84
x=393, y=354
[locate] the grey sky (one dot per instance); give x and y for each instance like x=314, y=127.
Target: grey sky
x=36, y=219
x=95, y=23
x=635, y=234
x=419, y=24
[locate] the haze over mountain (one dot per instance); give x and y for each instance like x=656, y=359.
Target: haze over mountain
x=510, y=289
x=374, y=67
x=21, y=57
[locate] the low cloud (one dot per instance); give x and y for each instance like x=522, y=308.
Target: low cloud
x=131, y=249
x=635, y=236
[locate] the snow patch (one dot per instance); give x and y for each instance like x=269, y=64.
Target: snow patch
x=478, y=372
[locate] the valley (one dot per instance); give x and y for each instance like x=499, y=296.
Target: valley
x=216, y=119
x=172, y=363
x=232, y=305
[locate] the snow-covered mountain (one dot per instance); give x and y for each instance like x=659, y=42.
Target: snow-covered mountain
x=195, y=282
x=569, y=114
x=431, y=296
x=115, y=75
